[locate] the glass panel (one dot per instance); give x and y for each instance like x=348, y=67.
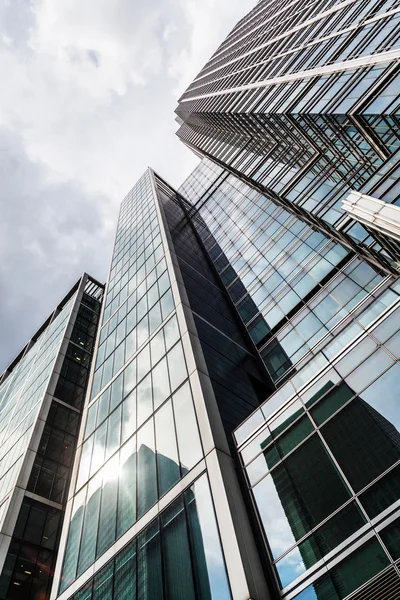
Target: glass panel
x=103, y=584
x=130, y=377
x=190, y=451
x=128, y=416
x=176, y=366
x=161, y=387
x=91, y=419
x=382, y=396
x=331, y=403
x=74, y=538
x=127, y=487
x=179, y=582
x=171, y=332
x=116, y=392
x=84, y=466
x=298, y=495
x=125, y=574
x=167, y=452
x=208, y=561
x=114, y=432
x=157, y=347
x=108, y=510
x=369, y=370
x=144, y=399
x=149, y=568
x=146, y=468
x=296, y=434
x=286, y=418
x=360, y=566
x=381, y=495
x=143, y=363
x=85, y=593
x=391, y=537
x=104, y=402
x=362, y=442
x=99, y=448
x=89, y=532
x=327, y=537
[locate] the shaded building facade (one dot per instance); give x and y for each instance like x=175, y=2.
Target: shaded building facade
x=42, y=394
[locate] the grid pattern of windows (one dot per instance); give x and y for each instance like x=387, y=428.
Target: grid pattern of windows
x=294, y=288
x=323, y=464
x=28, y=567
x=177, y=557
x=302, y=99
x=141, y=434
x=21, y=395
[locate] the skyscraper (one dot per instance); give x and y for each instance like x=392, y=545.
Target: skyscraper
x=224, y=312
x=321, y=454
x=155, y=509
x=240, y=437
x=295, y=117
x=41, y=400
x=301, y=101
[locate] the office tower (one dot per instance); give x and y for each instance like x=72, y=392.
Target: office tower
x=240, y=439
x=321, y=455
x=41, y=400
x=155, y=510
x=302, y=101
x=241, y=436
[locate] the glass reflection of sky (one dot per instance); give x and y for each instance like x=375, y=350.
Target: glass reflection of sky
x=383, y=395
x=290, y=567
x=307, y=594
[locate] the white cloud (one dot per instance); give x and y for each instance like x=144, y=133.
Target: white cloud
x=89, y=89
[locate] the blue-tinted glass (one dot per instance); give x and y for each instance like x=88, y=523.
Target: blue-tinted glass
x=149, y=564
x=177, y=564
x=90, y=524
x=125, y=574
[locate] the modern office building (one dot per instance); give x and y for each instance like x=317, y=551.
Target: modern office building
x=321, y=456
x=240, y=438
x=42, y=394
x=296, y=120
x=301, y=101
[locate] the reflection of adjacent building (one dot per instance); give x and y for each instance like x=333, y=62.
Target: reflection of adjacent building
x=136, y=486
x=31, y=528
x=356, y=442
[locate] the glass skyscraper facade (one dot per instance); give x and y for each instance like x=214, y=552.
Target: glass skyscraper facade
x=154, y=494
x=301, y=100
x=297, y=200
x=240, y=433
x=41, y=400
x=320, y=456
x=241, y=437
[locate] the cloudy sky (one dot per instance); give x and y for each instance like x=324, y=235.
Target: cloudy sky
x=87, y=101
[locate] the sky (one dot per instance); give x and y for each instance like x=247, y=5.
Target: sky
x=87, y=100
